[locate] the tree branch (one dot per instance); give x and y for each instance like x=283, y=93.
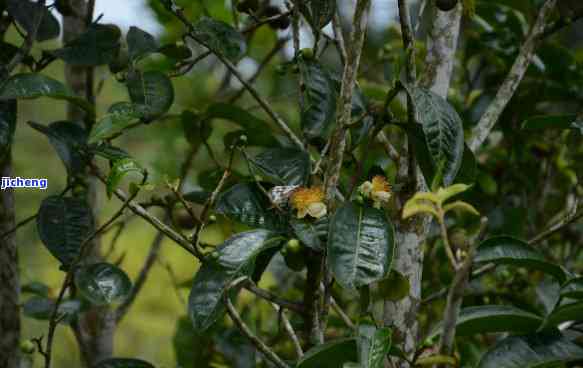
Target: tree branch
x=513, y=79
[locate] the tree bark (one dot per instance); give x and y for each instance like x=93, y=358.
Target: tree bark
x=95, y=328
x=410, y=235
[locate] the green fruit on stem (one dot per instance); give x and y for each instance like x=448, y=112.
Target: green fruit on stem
x=27, y=347
x=445, y=5
x=294, y=255
x=307, y=53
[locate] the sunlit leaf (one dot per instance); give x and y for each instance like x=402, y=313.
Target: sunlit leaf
x=119, y=170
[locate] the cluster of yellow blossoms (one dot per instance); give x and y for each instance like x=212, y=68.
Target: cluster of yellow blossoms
x=310, y=201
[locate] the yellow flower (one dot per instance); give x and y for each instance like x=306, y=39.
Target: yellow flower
x=309, y=201
x=379, y=190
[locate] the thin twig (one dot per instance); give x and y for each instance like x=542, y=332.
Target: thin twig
x=245, y=330
x=289, y=329
x=264, y=294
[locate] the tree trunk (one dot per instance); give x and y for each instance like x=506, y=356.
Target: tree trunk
x=402, y=315
x=95, y=328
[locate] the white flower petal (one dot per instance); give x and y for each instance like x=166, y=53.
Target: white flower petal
x=366, y=188
x=381, y=196
x=302, y=213
x=317, y=209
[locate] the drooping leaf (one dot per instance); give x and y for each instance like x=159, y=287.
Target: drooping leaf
x=140, y=43
x=568, y=121
x=32, y=85
x=506, y=250
x=573, y=288
x=36, y=287
x=257, y=130
x=443, y=130
x=102, y=283
x=123, y=363
x=318, y=114
x=332, y=354
x=235, y=257
x=283, y=166
x=318, y=12
x=63, y=224
x=546, y=349
x=564, y=313
x=220, y=37
x=244, y=202
x=360, y=245
x=119, y=116
x=7, y=124
x=308, y=232
x=373, y=345
x=25, y=13
x=152, y=89
x=68, y=139
x=119, y=170
x=98, y=45
x=493, y=318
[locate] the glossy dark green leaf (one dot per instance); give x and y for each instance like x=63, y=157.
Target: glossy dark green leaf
x=573, y=288
x=25, y=13
x=220, y=37
x=123, y=363
x=197, y=196
x=564, y=313
x=542, y=350
x=332, y=354
x=98, y=45
x=140, y=43
x=68, y=139
x=257, y=130
x=244, y=202
x=109, y=152
x=373, y=345
x=443, y=130
x=7, y=52
x=152, y=89
x=63, y=224
x=361, y=243
x=283, y=166
x=506, y=250
x=191, y=350
x=7, y=124
x=568, y=121
x=119, y=170
x=119, y=117
x=36, y=287
x=318, y=12
x=318, y=114
x=235, y=257
x=31, y=85
x=102, y=283
x=493, y=318
x=309, y=233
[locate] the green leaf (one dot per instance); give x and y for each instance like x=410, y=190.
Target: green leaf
x=140, y=43
x=119, y=170
x=573, y=288
x=220, y=38
x=246, y=203
x=542, y=350
x=443, y=130
x=123, y=363
x=36, y=288
x=191, y=350
x=318, y=114
x=175, y=52
x=68, y=139
x=119, y=117
x=109, y=152
x=102, y=283
x=493, y=318
x=373, y=345
x=309, y=233
x=235, y=257
x=7, y=125
x=25, y=13
x=198, y=196
x=31, y=85
x=361, y=243
x=506, y=250
x=152, y=89
x=469, y=168
x=567, y=121
x=318, y=12
x=332, y=354
x=257, y=130
x=63, y=224
x=196, y=130
x=283, y=166
x=41, y=308
x=98, y=45
x=564, y=313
